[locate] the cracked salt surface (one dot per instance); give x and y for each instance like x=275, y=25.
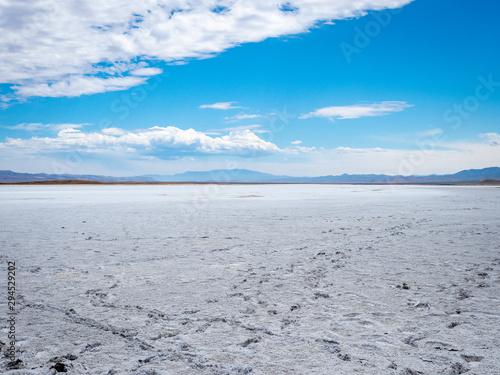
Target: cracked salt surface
x=253, y=279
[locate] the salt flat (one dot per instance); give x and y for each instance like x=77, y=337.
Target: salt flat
x=260, y=279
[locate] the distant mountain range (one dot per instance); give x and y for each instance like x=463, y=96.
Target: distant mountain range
x=9, y=177
x=248, y=176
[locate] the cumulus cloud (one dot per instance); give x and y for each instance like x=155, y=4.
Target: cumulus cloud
x=223, y=105
x=156, y=141
x=358, y=110
x=155, y=148
x=70, y=48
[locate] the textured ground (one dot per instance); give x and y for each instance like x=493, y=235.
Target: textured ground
x=253, y=279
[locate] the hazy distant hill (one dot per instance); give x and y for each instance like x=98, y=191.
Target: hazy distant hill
x=221, y=175
x=247, y=176
x=9, y=176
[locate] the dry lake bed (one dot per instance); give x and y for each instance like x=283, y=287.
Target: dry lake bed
x=251, y=279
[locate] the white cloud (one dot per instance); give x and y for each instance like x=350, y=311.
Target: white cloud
x=36, y=126
x=156, y=141
x=146, y=72
x=76, y=86
x=493, y=138
x=72, y=47
x=301, y=150
x=296, y=142
x=223, y=105
x=242, y=117
x=358, y=110
x=431, y=132
x=454, y=158
x=57, y=127
x=160, y=148
x=113, y=131
x=254, y=128
x=444, y=157
x=27, y=126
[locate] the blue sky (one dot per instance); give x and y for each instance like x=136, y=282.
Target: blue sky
x=117, y=88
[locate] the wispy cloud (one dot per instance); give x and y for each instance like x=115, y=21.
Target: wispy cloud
x=431, y=132
x=37, y=126
x=296, y=142
x=223, y=105
x=146, y=72
x=113, y=131
x=27, y=126
x=254, y=128
x=69, y=48
x=358, y=110
x=77, y=86
x=493, y=139
x=240, y=117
